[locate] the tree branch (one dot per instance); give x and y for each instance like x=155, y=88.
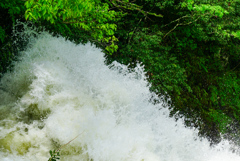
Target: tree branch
x=181, y=24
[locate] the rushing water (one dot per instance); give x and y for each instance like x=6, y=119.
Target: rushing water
x=59, y=90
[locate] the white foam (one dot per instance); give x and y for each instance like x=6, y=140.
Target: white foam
x=60, y=90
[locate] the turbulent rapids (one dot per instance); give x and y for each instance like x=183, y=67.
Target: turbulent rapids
x=59, y=90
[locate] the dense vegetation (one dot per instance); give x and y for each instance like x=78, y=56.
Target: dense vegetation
x=189, y=48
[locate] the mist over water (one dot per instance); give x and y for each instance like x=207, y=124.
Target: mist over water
x=59, y=90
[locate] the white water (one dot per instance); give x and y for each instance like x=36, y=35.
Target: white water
x=60, y=90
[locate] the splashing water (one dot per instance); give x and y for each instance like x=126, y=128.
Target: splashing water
x=59, y=90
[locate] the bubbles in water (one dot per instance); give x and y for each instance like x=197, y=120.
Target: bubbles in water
x=59, y=90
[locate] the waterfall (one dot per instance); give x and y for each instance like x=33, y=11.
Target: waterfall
x=59, y=90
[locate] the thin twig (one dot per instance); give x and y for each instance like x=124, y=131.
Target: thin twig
x=131, y=6
x=181, y=24
x=171, y=30
x=134, y=31
x=64, y=146
x=176, y=20
x=234, y=67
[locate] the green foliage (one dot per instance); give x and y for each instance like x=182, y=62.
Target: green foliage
x=10, y=10
x=191, y=55
x=2, y=34
x=55, y=155
x=189, y=48
x=91, y=15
